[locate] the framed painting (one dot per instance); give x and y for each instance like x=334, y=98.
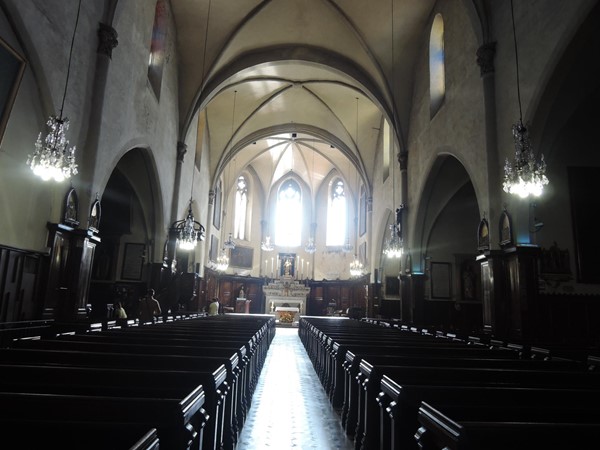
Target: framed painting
x=362, y=225
x=241, y=257
x=133, y=262
x=217, y=208
x=362, y=253
x=441, y=280
x=12, y=66
x=214, y=248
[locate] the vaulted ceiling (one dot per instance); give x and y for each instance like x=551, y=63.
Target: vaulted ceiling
x=322, y=69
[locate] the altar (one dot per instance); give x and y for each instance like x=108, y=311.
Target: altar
x=285, y=293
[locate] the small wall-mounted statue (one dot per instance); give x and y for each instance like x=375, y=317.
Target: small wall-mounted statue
x=94, y=218
x=71, y=208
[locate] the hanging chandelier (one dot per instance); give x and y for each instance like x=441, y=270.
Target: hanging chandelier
x=525, y=176
x=356, y=268
x=188, y=231
x=222, y=262
x=229, y=243
x=52, y=158
x=267, y=245
x=393, y=249
x=310, y=246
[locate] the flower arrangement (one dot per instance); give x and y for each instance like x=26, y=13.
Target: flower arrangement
x=286, y=317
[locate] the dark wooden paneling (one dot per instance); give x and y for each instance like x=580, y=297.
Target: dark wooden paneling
x=20, y=279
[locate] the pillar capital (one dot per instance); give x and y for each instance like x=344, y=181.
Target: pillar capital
x=403, y=160
x=181, y=151
x=485, y=58
x=107, y=39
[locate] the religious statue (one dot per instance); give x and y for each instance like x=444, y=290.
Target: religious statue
x=287, y=267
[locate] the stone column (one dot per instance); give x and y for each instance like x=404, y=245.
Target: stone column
x=485, y=60
x=107, y=41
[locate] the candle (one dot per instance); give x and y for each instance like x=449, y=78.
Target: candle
x=307, y=269
x=302, y=272
x=266, y=268
x=271, y=267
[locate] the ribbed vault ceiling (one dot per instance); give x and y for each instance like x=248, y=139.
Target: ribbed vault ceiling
x=319, y=68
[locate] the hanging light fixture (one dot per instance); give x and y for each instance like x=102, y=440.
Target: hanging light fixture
x=229, y=243
x=310, y=246
x=188, y=231
x=267, y=245
x=52, y=158
x=394, y=246
x=525, y=176
x=356, y=268
x=222, y=262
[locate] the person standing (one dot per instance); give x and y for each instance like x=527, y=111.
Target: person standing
x=149, y=307
x=213, y=308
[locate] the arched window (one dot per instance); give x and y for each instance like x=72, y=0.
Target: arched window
x=288, y=220
x=437, y=77
x=241, y=208
x=158, y=46
x=336, y=214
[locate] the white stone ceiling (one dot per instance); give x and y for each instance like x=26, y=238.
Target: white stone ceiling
x=319, y=68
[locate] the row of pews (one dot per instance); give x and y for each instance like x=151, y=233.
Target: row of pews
x=399, y=388
x=177, y=385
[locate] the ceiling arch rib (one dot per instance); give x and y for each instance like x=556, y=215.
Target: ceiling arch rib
x=330, y=146
x=299, y=55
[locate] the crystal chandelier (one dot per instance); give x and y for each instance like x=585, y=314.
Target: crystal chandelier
x=189, y=231
x=393, y=249
x=310, y=246
x=52, y=158
x=229, y=243
x=356, y=268
x=267, y=245
x=222, y=261
x=524, y=176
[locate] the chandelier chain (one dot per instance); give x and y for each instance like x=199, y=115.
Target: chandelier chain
x=69, y=63
x=512, y=14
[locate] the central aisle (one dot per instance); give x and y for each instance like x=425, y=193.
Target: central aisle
x=290, y=408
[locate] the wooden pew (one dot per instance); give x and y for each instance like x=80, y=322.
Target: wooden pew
x=179, y=422
x=225, y=400
x=368, y=428
x=463, y=428
x=464, y=357
x=70, y=435
x=183, y=348
x=240, y=388
x=255, y=352
x=400, y=404
x=320, y=342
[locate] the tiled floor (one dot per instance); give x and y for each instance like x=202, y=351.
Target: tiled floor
x=290, y=409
